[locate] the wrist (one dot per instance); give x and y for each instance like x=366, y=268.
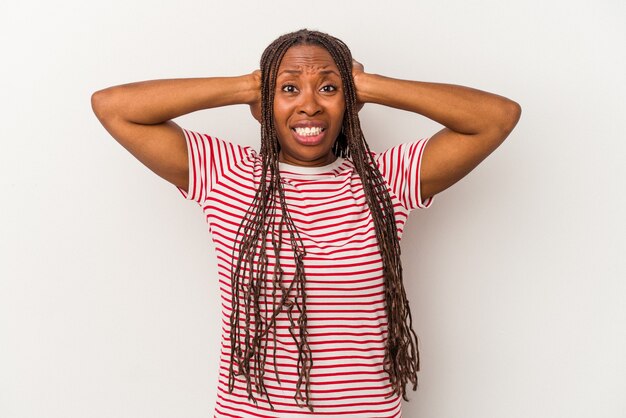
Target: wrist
x=252, y=87
x=366, y=86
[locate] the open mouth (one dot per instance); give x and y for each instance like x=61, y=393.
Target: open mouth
x=309, y=135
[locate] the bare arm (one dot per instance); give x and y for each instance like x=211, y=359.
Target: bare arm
x=138, y=115
x=476, y=123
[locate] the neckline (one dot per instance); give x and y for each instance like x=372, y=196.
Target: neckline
x=299, y=169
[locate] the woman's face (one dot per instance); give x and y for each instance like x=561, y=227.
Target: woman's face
x=308, y=106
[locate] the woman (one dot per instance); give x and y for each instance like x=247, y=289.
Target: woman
x=307, y=230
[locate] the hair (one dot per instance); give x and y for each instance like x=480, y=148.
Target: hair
x=249, y=351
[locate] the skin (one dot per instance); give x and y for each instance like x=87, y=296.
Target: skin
x=308, y=92
x=476, y=123
x=139, y=116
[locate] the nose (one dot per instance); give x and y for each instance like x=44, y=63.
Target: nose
x=309, y=103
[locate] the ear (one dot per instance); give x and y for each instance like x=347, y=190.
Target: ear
x=255, y=109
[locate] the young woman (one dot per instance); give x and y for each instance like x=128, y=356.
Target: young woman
x=315, y=315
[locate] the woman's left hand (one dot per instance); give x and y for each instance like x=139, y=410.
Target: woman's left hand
x=357, y=72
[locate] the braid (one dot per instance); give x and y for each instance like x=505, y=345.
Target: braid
x=262, y=222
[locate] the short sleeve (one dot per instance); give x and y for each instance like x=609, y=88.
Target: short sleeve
x=401, y=169
x=210, y=159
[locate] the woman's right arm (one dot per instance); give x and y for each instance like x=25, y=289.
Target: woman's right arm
x=138, y=116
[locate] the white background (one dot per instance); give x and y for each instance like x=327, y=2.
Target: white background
x=516, y=275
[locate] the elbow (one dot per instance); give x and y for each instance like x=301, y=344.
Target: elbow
x=502, y=126
x=103, y=104
x=98, y=101
x=512, y=112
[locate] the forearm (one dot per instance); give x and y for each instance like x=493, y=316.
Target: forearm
x=156, y=101
x=462, y=109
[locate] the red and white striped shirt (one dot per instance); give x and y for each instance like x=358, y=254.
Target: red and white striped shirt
x=347, y=323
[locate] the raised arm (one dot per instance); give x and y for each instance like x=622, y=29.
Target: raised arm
x=138, y=116
x=476, y=123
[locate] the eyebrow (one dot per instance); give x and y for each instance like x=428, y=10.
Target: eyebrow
x=322, y=72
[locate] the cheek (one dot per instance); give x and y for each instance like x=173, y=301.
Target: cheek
x=340, y=110
x=281, y=116
x=341, y=113
x=281, y=110
x=281, y=126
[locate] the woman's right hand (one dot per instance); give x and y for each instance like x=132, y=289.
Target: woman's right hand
x=255, y=104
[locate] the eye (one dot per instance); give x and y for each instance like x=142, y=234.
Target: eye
x=329, y=88
x=289, y=88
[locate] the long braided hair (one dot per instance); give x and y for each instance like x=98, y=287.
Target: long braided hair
x=260, y=225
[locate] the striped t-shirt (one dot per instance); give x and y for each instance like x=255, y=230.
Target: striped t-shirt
x=346, y=319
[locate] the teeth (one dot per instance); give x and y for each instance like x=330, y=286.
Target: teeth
x=308, y=131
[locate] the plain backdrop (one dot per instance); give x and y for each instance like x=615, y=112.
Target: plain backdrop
x=516, y=275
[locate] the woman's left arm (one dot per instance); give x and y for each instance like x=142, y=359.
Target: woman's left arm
x=476, y=122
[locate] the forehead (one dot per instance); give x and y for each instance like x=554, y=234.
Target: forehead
x=307, y=58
